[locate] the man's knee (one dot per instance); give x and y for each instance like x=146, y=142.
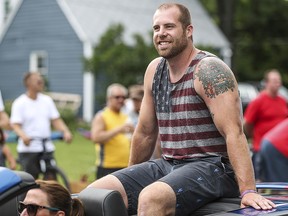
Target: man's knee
x=110, y=182
x=157, y=197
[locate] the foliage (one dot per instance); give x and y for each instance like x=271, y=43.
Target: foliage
x=69, y=117
x=118, y=61
x=8, y=106
x=75, y=159
x=256, y=30
x=258, y=35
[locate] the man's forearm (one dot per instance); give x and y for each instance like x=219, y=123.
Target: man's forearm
x=142, y=148
x=242, y=165
x=59, y=124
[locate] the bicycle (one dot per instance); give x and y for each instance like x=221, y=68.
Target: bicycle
x=48, y=165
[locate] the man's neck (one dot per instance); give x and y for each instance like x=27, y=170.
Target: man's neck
x=179, y=64
x=32, y=94
x=114, y=109
x=272, y=94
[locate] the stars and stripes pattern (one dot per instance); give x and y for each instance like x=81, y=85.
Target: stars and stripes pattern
x=185, y=124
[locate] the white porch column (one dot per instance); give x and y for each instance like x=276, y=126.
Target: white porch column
x=88, y=87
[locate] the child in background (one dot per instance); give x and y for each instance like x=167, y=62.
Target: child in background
x=5, y=153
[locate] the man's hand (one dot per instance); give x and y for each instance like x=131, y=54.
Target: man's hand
x=256, y=201
x=26, y=140
x=67, y=136
x=127, y=128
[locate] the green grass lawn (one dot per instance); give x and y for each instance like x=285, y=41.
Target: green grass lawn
x=75, y=159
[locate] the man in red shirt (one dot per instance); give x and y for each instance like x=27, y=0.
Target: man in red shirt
x=274, y=153
x=263, y=113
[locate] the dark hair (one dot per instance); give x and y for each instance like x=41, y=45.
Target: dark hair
x=59, y=197
x=136, y=91
x=184, y=17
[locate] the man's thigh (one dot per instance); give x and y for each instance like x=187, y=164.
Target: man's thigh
x=137, y=177
x=195, y=183
x=199, y=182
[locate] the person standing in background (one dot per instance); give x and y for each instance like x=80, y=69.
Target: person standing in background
x=274, y=153
x=264, y=113
x=136, y=93
x=109, y=131
x=31, y=117
x=4, y=118
x=5, y=152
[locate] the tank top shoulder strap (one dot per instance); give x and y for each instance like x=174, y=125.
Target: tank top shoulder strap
x=201, y=55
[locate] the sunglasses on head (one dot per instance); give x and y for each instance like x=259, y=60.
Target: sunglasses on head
x=33, y=208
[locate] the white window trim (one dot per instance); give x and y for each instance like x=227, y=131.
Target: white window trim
x=33, y=64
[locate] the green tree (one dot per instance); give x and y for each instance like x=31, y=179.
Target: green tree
x=256, y=30
x=114, y=60
x=119, y=61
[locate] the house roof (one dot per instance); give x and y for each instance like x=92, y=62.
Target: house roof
x=91, y=18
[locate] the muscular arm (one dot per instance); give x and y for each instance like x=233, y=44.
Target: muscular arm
x=145, y=135
x=216, y=84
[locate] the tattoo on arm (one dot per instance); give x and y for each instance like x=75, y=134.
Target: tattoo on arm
x=215, y=77
x=212, y=115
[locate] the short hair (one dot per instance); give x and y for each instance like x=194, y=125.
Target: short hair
x=136, y=92
x=114, y=86
x=267, y=72
x=27, y=76
x=184, y=17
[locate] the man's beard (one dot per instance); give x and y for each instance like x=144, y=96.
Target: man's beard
x=177, y=48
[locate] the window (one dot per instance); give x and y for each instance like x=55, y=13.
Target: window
x=7, y=8
x=39, y=62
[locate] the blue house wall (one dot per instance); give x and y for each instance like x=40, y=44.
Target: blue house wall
x=40, y=25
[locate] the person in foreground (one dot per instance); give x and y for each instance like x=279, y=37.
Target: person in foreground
x=50, y=198
x=190, y=97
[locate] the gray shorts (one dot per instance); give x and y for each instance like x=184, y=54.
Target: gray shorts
x=196, y=182
x=30, y=162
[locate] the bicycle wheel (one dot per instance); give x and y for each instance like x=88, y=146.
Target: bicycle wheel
x=62, y=178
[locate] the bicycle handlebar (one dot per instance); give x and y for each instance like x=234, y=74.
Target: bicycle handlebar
x=54, y=136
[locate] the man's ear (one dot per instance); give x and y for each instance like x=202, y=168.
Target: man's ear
x=189, y=30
